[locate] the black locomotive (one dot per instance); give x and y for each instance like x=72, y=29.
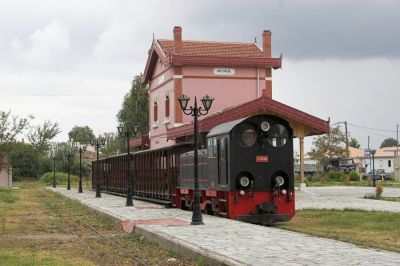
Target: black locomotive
x=245, y=172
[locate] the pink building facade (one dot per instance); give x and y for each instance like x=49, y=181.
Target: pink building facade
x=232, y=73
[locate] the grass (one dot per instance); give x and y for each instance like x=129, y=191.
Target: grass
x=43, y=228
x=317, y=183
x=395, y=199
x=379, y=230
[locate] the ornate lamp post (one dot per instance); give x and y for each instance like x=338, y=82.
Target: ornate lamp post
x=126, y=131
x=195, y=111
x=81, y=149
x=98, y=143
x=69, y=152
x=53, y=157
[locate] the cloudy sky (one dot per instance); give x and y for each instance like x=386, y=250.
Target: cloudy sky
x=72, y=61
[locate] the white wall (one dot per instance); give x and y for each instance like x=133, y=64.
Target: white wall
x=380, y=163
x=6, y=176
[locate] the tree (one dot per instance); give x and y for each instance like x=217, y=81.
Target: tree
x=25, y=161
x=389, y=142
x=115, y=144
x=81, y=134
x=41, y=135
x=329, y=146
x=354, y=143
x=135, y=107
x=12, y=126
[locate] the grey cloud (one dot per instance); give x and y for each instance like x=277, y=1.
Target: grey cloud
x=306, y=29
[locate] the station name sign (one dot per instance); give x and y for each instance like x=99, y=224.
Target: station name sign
x=224, y=71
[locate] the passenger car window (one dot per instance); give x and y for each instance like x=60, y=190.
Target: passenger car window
x=212, y=147
x=277, y=135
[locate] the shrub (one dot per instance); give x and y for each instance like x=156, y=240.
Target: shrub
x=346, y=180
x=379, y=191
x=354, y=176
x=61, y=178
x=24, y=159
x=336, y=176
x=324, y=179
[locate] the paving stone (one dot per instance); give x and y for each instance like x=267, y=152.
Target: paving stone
x=238, y=243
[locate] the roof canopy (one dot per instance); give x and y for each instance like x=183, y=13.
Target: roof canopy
x=302, y=123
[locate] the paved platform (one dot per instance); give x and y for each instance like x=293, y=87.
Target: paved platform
x=346, y=198
x=229, y=242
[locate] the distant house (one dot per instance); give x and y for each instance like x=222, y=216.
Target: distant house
x=384, y=159
x=310, y=165
x=5, y=173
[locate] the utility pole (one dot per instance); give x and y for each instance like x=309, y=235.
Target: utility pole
x=347, y=140
x=396, y=165
x=370, y=162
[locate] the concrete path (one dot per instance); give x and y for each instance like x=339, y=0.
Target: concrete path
x=230, y=242
x=346, y=197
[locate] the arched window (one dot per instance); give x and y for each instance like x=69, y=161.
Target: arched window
x=155, y=112
x=167, y=106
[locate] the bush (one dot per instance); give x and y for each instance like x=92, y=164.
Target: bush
x=24, y=160
x=336, y=176
x=346, y=180
x=354, y=176
x=323, y=179
x=379, y=191
x=61, y=178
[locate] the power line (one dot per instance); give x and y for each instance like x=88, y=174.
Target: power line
x=363, y=128
x=376, y=129
x=59, y=95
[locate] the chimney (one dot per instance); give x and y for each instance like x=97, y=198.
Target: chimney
x=267, y=43
x=268, y=71
x=177, y=39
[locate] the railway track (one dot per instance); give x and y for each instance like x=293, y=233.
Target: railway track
x=101, y=260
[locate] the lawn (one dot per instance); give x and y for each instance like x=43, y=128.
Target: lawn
x=39, y=227
x=395, y=199
x=379, y=230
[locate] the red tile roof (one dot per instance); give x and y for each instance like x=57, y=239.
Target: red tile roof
x=206, y=48
x=263, y=104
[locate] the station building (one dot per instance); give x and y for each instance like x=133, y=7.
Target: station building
x=238, y=75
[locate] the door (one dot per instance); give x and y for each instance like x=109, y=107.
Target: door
x=222, y=161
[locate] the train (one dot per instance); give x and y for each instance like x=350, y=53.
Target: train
x=245, y=172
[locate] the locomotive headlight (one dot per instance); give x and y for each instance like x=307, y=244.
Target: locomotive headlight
x=244, y=181
x=264, y=126
x=284, y=191
x=279, y=181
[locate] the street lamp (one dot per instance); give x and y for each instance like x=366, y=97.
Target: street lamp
x=98, y=143
x=69, y=152
x=195, y=111
x=126, y=131
x=373, y=168
x=80, y=149
x=53, y=157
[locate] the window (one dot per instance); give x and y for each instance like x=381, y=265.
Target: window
x=277, y=135
x=246, y=135
x=389, y=163
x=249, y=137
x=155, y=114
x=167, y=106
x=212, y=147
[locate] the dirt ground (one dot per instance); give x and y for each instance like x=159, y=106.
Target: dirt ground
x=38, y=227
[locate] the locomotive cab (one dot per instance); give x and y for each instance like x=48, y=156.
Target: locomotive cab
x=246, y=171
